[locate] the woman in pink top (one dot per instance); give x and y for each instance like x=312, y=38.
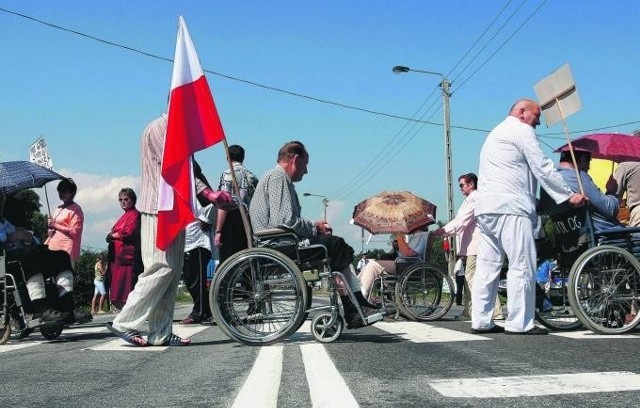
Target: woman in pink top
x=65, y=226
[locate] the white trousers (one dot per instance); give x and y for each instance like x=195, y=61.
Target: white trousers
x=154, y=296
x=512, y=236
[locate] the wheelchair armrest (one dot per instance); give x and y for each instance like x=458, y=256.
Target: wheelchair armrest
x=617, y=232
x=274, y=232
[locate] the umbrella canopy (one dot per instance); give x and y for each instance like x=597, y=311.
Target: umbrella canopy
x=20, y=175
x=617, y=147
x=393, y=212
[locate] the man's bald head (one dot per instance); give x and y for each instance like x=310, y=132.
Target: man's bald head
x=527, y=111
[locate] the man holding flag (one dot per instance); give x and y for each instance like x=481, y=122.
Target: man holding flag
x=169, y=190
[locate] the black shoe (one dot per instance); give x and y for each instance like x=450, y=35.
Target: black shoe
x=534, y=330
x=56, y=316
x=494, y=329
x=82, y=317
x=354, y=321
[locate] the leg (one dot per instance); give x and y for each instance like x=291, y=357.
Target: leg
x=368, y=275
x=489, y=263
x=153, y=297
x=519, y=245
x=459, y=289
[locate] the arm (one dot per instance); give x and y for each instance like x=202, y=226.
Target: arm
x=543, y=168
x=403, y=247
x=605, y=205
x=464, y=218
x=73, y=225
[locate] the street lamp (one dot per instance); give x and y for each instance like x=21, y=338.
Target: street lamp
x=444, y=84
x=325, y=202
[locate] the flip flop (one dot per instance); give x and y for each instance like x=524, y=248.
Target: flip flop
x=175, y=341
x=130, y=336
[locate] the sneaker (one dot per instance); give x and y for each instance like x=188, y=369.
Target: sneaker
x=354, y=320
x=82, y=317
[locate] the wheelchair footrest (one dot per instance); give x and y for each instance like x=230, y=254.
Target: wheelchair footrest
x=376, y=317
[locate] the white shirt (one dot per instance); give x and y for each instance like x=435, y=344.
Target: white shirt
x=464, y=226
x=195, y=236
x=511, y=165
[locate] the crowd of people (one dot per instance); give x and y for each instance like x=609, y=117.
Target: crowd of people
x=495, y=224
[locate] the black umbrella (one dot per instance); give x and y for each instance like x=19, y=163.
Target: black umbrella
x=20, y=175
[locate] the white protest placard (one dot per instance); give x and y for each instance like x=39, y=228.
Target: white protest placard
x=39, y=154
x=558, y=96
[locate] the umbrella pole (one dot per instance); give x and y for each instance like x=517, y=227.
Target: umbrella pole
x=46, y=197
x=573, y=155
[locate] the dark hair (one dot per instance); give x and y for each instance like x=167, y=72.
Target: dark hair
x=290, y=149
x=129, y=193
x=470, y=177
x=566, y=155
x=67, y=185
x=236, y=153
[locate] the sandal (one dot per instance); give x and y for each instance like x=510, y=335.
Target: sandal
x=175, y=341
x=130, y=336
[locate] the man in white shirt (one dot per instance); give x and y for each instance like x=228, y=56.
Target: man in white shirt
x=463, y=226
x=511, y=164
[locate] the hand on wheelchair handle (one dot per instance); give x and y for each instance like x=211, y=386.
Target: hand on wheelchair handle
x=578, y=200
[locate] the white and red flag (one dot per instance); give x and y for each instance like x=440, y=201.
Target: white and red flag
x=193, y=125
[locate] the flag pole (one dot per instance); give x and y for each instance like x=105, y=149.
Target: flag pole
x=573, y=155
x=236, y=192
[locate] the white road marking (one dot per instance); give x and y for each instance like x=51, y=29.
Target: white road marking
x=423, y=333
x=589, y=335
x=260, y=390
x=326, y=386
x=16, y=345
x=183, y=331
x=537, y=385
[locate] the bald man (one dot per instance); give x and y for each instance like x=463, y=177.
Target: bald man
x=511, y=165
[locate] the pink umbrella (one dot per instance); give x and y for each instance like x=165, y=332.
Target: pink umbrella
x=617, y=147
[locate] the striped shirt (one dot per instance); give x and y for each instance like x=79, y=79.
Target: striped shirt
x=152, y=147
x=275, y=204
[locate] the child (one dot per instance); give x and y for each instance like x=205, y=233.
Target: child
x=98, y=282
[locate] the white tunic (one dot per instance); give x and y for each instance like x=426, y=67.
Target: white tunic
x=510, y=162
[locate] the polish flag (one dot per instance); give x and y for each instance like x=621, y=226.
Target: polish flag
x=193, y=125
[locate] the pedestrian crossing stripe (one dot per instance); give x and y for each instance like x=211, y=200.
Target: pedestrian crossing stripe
x=537, y=385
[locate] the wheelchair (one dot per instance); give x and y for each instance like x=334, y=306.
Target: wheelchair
x=259, y=296
x=15, y=316
x=598, y=274
x=418, y=291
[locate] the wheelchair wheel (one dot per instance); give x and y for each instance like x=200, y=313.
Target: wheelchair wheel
x=51, y=331
x=258, y=296
x=553, y=309
x=604, y=286
x=324, y=333
x=424, y=293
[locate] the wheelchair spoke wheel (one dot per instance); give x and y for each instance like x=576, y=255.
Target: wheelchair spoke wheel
x=323, y=331
x=604, y=289
x=553, y=309
x=424, y=293
x=258, y=296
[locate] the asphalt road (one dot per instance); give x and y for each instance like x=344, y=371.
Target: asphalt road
x=389, y=364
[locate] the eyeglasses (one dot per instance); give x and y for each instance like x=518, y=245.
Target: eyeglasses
x=123, y=199
x=461, y=185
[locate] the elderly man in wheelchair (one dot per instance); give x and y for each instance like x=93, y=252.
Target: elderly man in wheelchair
x=275, y=205
x=600, y=253
x=29, y=264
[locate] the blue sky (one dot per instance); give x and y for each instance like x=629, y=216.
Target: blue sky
x=91, y=100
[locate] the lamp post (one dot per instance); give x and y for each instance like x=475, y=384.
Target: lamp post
x=325, y=202
x=444, y=84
